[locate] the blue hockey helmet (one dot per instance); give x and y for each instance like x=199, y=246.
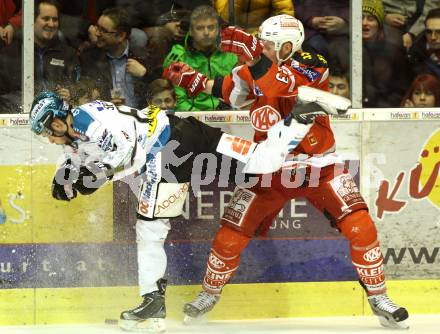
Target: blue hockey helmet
x=46, y=106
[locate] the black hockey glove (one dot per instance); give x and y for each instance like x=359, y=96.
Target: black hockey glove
x=62, y=183
x=92, y=177
x=304, y=113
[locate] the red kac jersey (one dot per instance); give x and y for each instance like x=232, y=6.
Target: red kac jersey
x=270, y=91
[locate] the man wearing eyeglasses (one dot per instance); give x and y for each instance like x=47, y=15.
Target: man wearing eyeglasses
x=425, y=52
x=115, y=63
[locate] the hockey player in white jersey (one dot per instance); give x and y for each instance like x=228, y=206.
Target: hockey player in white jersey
x=103, y=142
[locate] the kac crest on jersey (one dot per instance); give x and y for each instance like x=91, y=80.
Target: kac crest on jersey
x=264, y=117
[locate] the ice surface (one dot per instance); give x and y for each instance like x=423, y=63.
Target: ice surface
x=420, y=324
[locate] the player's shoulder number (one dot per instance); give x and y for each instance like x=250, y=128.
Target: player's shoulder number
x=311, y=59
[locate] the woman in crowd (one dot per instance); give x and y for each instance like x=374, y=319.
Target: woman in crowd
x=424, y=92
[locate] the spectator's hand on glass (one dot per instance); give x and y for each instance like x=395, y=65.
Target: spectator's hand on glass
x=92, y=34
x=395, y=20
x=407, y=40
x=174, y=28
x=135, y=68
x=409, y=104
x=7, y=34
x=318, y=23
x=64, y=93
x=334, y=24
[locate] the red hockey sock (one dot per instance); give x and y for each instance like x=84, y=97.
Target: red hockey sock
x=359, y=229
x=224, y=258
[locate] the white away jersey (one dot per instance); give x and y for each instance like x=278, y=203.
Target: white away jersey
x=122, y=137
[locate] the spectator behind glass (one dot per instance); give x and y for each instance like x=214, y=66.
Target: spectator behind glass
x=202, y=53
x=339, y=83
x=56, y=64
x=424, y=92
x=146, y=13
x=79, y=19
x=115, y=63
x=250, y=14
x=384, y=64
x=372, y=20
x=136, y=9
x=10, y=20
x=326, y=25
x=176, y=21
x=424, y=55
x=404, y=19
x=162, y=94
x=85, y=91
x=153, y=16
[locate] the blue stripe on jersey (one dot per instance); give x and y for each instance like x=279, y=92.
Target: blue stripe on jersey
x=308, y=72
x=163, y=139
x=81, y=120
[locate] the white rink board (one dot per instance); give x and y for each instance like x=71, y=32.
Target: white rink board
x=413, y=232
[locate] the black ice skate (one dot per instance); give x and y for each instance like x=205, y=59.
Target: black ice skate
x=194, y=310
x=148, y=317
x=390, y=315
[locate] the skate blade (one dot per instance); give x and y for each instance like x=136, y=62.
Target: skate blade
x=393, y=324
x=152, y=325
x=192, y=321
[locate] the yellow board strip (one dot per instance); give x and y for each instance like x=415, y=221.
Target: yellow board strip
x=35, y=217
x=17, y=307
x=239, y=301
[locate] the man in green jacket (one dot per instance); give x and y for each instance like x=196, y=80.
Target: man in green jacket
x=201, y=52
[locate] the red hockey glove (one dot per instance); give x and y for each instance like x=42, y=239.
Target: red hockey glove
x=244, y=45
x=183, y=75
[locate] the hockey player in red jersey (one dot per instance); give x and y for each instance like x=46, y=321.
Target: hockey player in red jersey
x=272, y=80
